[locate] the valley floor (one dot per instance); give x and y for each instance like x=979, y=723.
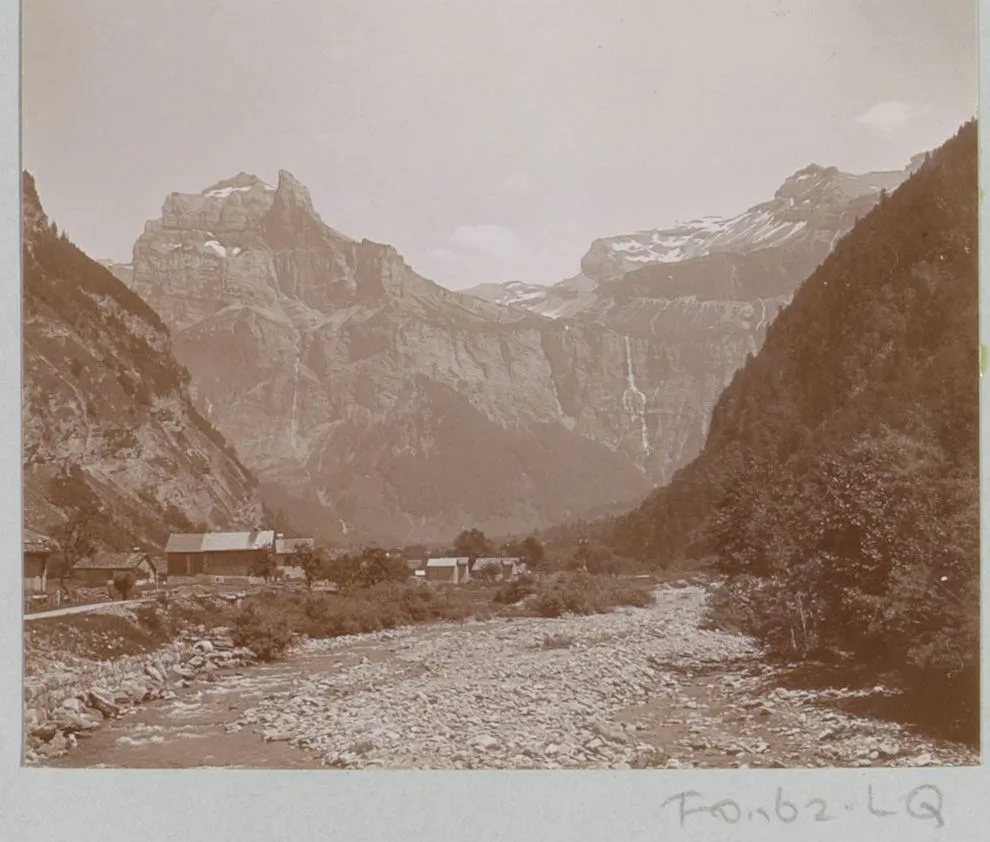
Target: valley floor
x=637, y=688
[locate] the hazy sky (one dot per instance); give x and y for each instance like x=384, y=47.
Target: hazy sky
x=486, y=141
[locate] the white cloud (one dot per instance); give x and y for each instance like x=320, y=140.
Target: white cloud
x=891, y=115
x=492, y=240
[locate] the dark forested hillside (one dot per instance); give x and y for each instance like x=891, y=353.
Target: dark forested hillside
x=839, y=483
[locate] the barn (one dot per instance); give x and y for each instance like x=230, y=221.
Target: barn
x=217, y=554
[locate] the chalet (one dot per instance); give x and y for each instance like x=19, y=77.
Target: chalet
x=217, y=554
x=449, y=571
x=505, y=568
x=101, y=568
x=37, y=551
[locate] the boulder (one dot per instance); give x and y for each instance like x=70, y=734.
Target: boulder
x=103, y=701
x=154, y=673
x=204, y=646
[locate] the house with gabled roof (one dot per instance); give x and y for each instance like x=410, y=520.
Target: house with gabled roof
x=217, y=554
x=448, y=571
x=100, y=568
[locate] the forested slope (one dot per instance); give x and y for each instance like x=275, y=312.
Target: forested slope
x=839, y=485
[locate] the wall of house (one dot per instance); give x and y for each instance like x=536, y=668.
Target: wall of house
x=35, y=570
x=229, y=563
x=442, y=574
x=92, y=577
x=232, y=563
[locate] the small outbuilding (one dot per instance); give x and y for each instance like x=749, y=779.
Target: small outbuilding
x=448, y=571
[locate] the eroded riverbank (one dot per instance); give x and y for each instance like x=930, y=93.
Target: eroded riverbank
x=636, y=688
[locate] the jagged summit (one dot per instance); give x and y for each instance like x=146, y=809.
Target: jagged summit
x=240, y=183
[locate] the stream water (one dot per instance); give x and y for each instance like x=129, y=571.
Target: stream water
x=189, y=730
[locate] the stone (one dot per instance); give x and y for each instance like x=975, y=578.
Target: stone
x=74, y=705
x=204, y=646
x=103, y=701
x=152, y=671
x=486, y=743
x=45, y=731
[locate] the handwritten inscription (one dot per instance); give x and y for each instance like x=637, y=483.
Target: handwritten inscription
x=923, y=803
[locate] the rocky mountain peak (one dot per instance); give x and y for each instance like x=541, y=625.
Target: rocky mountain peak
x=293, y=193
x=810, y=179
x=241, y=183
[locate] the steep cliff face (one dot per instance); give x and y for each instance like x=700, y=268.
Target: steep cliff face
x=373, y=403
x=108, y=425
x=697, y=299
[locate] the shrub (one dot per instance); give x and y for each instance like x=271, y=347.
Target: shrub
x=263, y=631
x=124, y=583
x=153, y=620
x=515, y=591
x=583, y=593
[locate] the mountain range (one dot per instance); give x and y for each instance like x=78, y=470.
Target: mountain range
x=377, y=405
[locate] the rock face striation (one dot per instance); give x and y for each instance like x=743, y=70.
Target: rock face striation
x=108, y=425
x=374, y=404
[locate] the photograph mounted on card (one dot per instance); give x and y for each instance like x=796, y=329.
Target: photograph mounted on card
x=571, y=386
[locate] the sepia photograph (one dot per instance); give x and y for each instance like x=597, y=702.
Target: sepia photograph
x=523, y=386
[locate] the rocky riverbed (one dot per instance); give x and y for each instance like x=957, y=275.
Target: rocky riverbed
x=634, y=689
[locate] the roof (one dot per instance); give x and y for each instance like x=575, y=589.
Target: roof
x=415, y=563
x=34, y=542
x=487, y=561
x=113, y=561
x=447, y=562
x=287, y=546
x=218, y=542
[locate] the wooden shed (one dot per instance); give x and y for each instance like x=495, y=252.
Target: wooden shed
x=449, y=571
x=101, y=568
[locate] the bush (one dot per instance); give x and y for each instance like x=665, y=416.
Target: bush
x=515, y=591
x=153, y=620
x=263, y=631
x=124, y=583
x=584, y=593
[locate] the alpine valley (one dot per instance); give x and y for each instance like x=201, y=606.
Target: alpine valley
x=374, y=404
